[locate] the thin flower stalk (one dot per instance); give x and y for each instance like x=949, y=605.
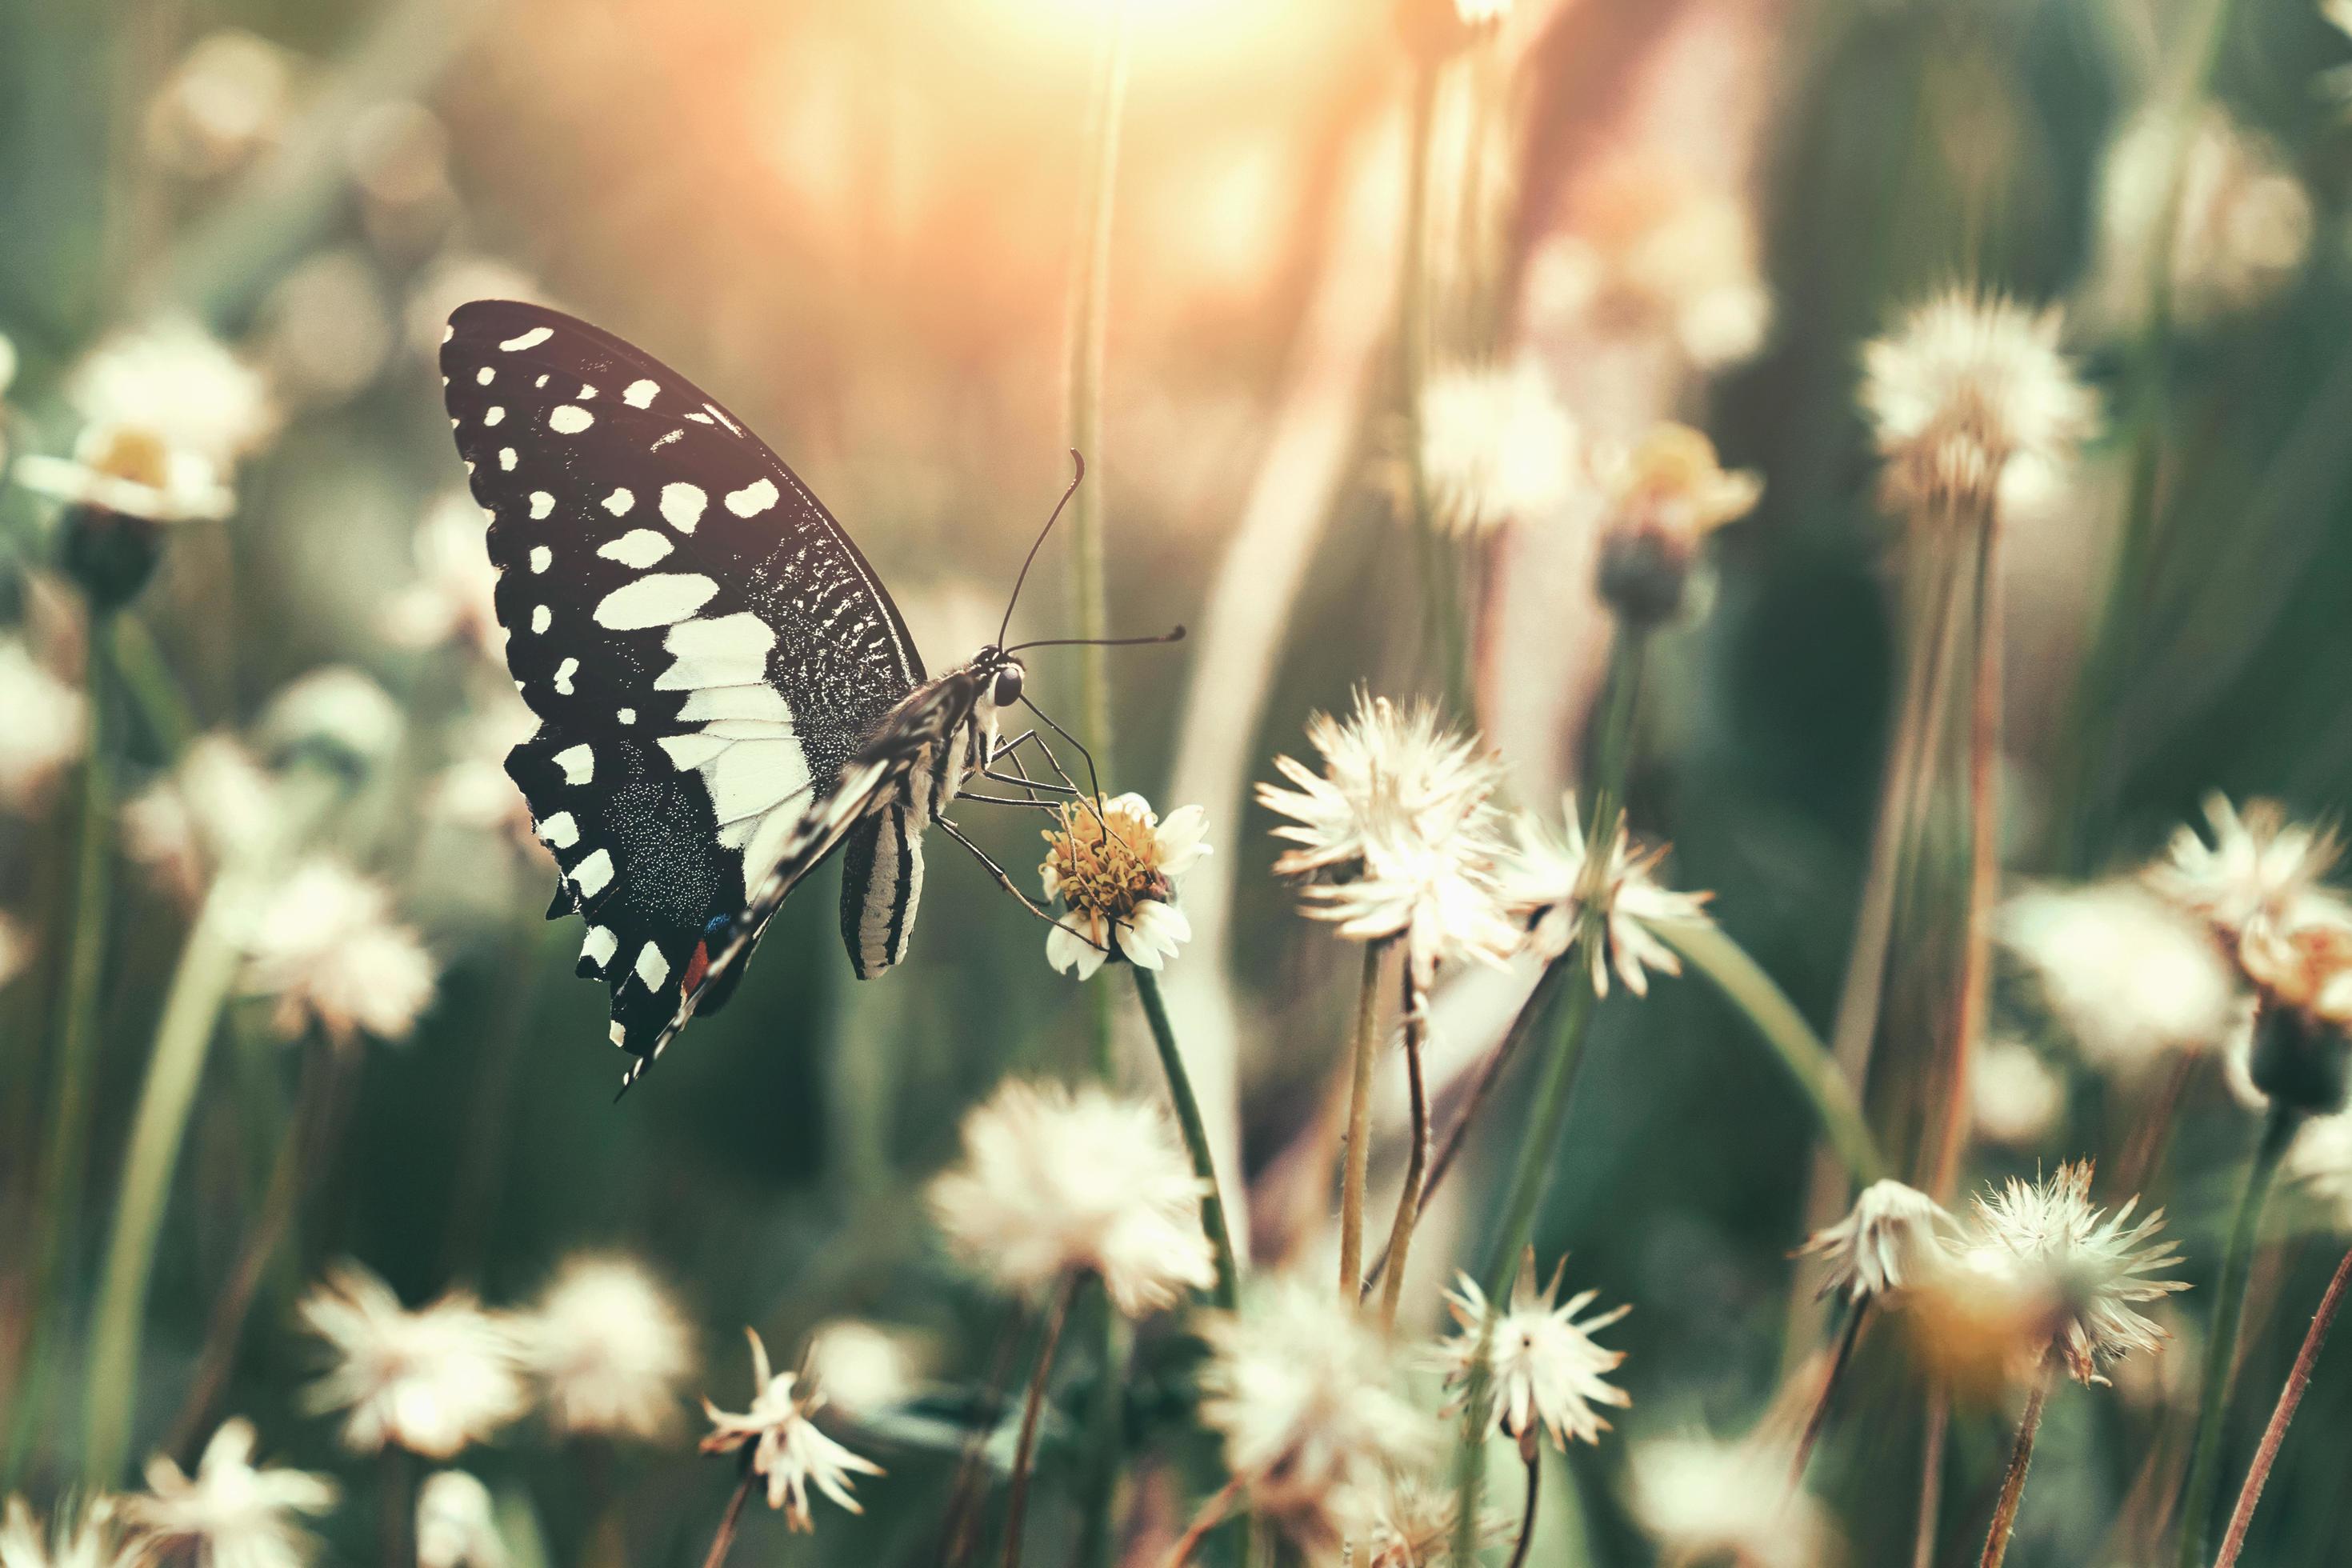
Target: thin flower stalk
x=1984, y=852
x=1016, y=1500
x=1356, y=1152
x=2198, y=1493
x=722, y=1539
x=2020, y=1459
x=396, y=1513
x=2298, y=1381
x=62, y=1175
x=1534, y=1456
x=1196, y=1135
x=1849, y=1335
x=1410, y=1196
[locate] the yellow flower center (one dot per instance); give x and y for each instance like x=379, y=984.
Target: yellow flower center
x=138, y=456
x=1106, y=865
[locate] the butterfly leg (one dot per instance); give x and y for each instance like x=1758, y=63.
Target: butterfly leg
x=1003, y=880
x=1008, y=752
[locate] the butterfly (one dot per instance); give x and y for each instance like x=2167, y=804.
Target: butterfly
x=726, y=692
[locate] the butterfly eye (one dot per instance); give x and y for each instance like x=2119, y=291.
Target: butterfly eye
x=1007, y=691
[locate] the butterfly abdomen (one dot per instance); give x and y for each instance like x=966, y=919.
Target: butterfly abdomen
x=881, y=885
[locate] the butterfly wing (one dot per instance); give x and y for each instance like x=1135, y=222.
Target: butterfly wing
x=705, y=648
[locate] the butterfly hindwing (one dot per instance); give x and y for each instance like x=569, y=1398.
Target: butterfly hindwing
x=706, y=648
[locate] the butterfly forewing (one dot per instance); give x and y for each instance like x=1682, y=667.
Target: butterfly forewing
x=705, y=648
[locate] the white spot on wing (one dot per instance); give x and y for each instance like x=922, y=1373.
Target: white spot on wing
x=593, y=874
x=563, y=674
x=578, y=762
x=638, y=548
x=530, y=340
x=586, y=392
x=753, y=498
x=691, y=751
x=658, y=599
x=494, y=416
x=506, y=458
x=540, y=557
x=484, y=376
x=619, y=503
x=568, y=420
x=652, y=967
x=559, y=830
x=722, y=418
x=541, y=503
x=542, y=617
x=640, y=393
x=682, y=505
x=728, y=650
x=601, y=946
x=628, y=715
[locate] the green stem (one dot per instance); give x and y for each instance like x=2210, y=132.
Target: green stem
x=1089, y=312
x=200, y=988
x=1105, y=1445
x=1709, y=949
x=1355, y=1152
x=1196, y=1135
x=62, y=1171
x=154, y=691
x=2221, y=1345
x=1017, y=1494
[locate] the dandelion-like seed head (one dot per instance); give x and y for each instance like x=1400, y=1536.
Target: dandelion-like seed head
x=1973, y=405
x=1055, y=1179
x=610, y=1347
x=1442, y=900
x=1497, y=446
x=1546, y=1370
x=1300, y=1387
x=47, y=725
x=1892, y=1236
x=232, y=1512
x=430, y=1381
x=1411, y=1523
x=1707, y=1501
x=865, y=1368
x=90, y=1536
x=325, y=944
x=1114, y=870
x=2258, y=868
x=787, y=1446
x=2096, y=1265
x=2132, y=979
x=1555, y=873
x=1389, y=772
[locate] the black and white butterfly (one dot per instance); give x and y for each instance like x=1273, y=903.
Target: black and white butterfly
x=726, y=692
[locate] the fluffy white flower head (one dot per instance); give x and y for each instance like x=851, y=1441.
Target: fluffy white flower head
x=1441, y=898
x=1547, y=1373
x=88, y=1536
x=2131, y=979
x=325, y=944
x=1891, y=1237
x=2013, y=1097
x=2255, y=874
x=1115, y=872
x=1496, y=446
x=1973, y=405
x=610, y=1348
x=2241, y=221
x=179, y=382
x=431, y=1381
x=1707, y=1501
x=1412, y=1524
x=457, y=1523
x=1555, y=873
x=786, y=1446
x=2094, y=1265
x=1299, y=1386
x=44, y=731
x=1388, y=772
x=236, y=1514
x=1054, y=1180
x=864, y=1368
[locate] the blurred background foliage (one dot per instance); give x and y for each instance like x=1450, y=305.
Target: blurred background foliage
x=852, y=223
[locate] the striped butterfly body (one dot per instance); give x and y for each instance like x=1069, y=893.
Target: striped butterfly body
x=726, y=692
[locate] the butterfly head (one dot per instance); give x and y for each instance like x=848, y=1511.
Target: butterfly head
x=1002, y=674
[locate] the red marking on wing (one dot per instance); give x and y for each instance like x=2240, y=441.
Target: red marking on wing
x=696, y=968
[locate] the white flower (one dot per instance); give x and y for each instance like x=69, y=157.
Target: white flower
x=430, y=1381
x=786, y=1446
x=180, y=384
x=1386, y=771
x=337, y=709
x=1115, y=871
x=2254, y=875
x=2128, y=976
x=1545, y=1369
x=2305, y=962
x=1672, y=489
x=1496, y=446
x=217, y=807
x=610, y=1347
x=1055, y=1179
x=453, y=599
x=1650, y=253
x=457, y=1523
x=1892, y=1236
x=2241, y=221
x=864, y=1368
x=226, y=99
x=325, y=944
x=1973, y=405
x=1412, y=1524
x=90, y=1537
x=234, y=1513
x=2094, y=1264
x=45, y=726
x=1439, y=899
x=1546, y=883
x=474, y=790
x=130, y=469
x=2014, y=1096
x=1299, y=1386
x=1709, y=1501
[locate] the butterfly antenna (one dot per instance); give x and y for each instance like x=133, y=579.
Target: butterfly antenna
x=1175, y=636
x=1078, y=466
